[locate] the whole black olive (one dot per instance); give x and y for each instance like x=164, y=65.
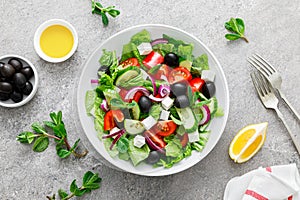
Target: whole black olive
x=16, y=96
x=171, y=59
x=27, y=89
x=16, y=63
x=7, y=70
x=6, y=87
x=19, y=80
x=209, y=89
x=182, y=101
x=27, y=72
x=1, y=65
x=178, y=89
x=145, y=104
x=104, y=69
x=4, y=96
x=153, y=157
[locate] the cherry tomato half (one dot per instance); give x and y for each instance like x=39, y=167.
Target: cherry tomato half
x=197, y=84
x=137, y=96
x=130, y=62
x=165, y=128
x=164, y=70
x=156, y=138
x=153, y=59
x=179, y=74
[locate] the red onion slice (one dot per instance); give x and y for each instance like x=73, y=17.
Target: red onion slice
x=156, y=99
x=159, y=41
x=153, y=146
x=104, y=106
x=206, y=115
x=164, y=90
x=130, y=94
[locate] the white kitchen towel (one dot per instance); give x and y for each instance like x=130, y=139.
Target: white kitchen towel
x=270, y=183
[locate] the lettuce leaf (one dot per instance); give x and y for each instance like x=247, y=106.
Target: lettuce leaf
x=140, y=37
x=173, y=148
x=155, y=111
x=137, y=155
x=200, y=63
x=186, y=51
x=90, y=97
x=109, y=59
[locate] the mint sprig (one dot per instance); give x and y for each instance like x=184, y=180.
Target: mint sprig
x=40, y=137
x=90, y=181
x=97, y=8
x=237, y=28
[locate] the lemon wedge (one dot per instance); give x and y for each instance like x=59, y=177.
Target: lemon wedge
x=247, y=142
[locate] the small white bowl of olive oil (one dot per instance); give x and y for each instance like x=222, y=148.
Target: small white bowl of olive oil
x=55, y=40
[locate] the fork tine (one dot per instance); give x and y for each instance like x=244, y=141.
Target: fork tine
x=256, y=66
x=266, y=63
x=257, y=85
x=264, y=84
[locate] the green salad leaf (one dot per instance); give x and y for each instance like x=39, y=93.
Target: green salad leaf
x=90, y=97
x=186, y=51
x=155, y=111
x=199, y=64
x=137, y=155
x=140, y=37
x=173, y=148
x=237, y=28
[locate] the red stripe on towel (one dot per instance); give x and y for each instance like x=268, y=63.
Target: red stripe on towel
x=255, y=195
x=290, y=198
x=269, y=169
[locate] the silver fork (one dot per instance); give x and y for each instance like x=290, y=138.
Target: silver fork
x=270, y=101
x=272, y=75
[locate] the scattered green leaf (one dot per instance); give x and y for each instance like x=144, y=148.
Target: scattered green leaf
x=98, y=9
x=237, y=28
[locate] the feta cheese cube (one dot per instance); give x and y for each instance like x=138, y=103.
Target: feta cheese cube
x=208, y=75
x=167, y=103
x=114, y=130
x=144, y=74
x=194, y=137
x=117, y=89
x=164, y=115
x=149, y=122
x=144, y=48
x=139, y=141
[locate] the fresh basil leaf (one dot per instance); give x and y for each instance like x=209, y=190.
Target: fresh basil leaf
x=104, y=19
x=228, y=27
x=114, y=13
x=232, y=36
x=62, y=194
x=38, y=128
x=26, y=137
x=240, y=25
x=40, y=144
x=233, y=24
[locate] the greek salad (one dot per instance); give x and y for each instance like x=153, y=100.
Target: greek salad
x=154, y=103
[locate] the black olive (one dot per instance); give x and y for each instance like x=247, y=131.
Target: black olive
x=27, y=89
x=16, y=63
x=1, y=65
x=178, y=89
x=19, y=80
x=209, y=89
x=153, y=157
x=4, y=96
x=145, y=104
x=104, y=69
x=27, y=72
x=16, y=97
x=182, y=101
x=7, y=70
x=171, y=59
x=6, y=87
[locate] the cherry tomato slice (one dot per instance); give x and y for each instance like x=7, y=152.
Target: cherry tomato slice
x=179, y=74
x=197, y=84
x=165, y=128
x=130, y=62
x=109, y=122
x=184, y=140
x=137, y=96
x=164, y=70
x=156, y=138
x=153, y=59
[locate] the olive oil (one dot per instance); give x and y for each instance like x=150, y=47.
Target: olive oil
x=56, y=41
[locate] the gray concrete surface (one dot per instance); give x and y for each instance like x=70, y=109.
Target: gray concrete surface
x=273, y=30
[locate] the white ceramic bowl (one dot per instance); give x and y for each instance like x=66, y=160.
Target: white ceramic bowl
x=39, y=32
x=34, y=81
x=116, y=42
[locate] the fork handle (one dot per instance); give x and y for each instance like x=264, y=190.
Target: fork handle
x=294, y=139
x=289, y=104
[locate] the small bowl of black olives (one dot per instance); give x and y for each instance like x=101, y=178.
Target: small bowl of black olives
x=18, y=81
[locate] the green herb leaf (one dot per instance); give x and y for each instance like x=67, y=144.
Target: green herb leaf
x=114, y=13
x=122, y=144
x=62, y=194
x=104, y=19
x=61, y=152
x=38, y=128
x=237, y=27
x=26, y=137
x=49, y=124
x=41, y=144
x=73, y=186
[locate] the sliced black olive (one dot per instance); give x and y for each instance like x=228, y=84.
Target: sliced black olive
x=7, y=70
x=103, y=69
x=16, y=63
x=182, y=101
x=4, y=96
x=16, y=97
x=145, y=104
x=153, y=157
x=209, y=89
x=171, y=59
x=27, y=89
x=179, y=89
x=27, y=72
x=6, y=87
x=19, y=80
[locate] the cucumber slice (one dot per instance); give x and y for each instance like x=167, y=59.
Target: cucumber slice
x=188, y=118
x=126, y=77
x=133, y=127
x=136, y=112
x=213, y=106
